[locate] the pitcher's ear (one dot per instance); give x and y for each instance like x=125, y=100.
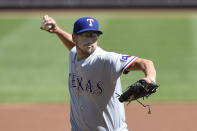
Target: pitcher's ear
x=74, y=37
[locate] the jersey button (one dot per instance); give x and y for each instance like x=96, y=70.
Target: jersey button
x=81, y=107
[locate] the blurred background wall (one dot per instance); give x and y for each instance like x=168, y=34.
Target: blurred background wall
x=96, y=3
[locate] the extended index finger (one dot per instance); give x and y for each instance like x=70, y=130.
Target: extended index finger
x=46, y=17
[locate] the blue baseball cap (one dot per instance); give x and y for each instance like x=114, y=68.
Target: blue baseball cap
x=86, y=24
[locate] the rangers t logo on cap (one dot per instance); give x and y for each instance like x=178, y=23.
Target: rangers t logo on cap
x=90, y=20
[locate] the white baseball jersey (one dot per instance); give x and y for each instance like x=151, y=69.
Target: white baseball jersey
x=93, y=84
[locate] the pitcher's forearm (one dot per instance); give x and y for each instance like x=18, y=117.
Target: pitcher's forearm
x=149, y=70
x=66, y=38
x=146, y=66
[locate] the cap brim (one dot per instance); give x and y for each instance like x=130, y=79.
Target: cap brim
x=84, y=30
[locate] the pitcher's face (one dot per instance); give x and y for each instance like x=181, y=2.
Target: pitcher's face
x=86, y=42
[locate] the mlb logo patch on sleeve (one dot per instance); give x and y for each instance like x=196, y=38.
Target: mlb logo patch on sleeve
x=124, y=58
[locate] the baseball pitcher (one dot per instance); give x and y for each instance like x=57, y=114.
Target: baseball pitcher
x=94, y=78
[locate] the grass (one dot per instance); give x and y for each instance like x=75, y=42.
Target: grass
x=34, y=64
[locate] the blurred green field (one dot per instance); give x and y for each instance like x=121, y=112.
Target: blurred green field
x=34, y=63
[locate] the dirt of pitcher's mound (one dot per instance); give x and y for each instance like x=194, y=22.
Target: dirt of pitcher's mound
x=55, y=117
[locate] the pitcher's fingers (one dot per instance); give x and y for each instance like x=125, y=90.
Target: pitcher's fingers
x=50, y=21
x=46, y=17
x=42, y=28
